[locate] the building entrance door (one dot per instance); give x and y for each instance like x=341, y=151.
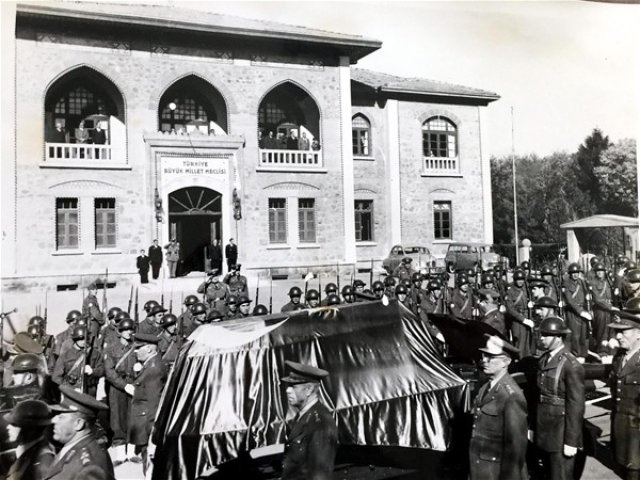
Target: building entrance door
x=195, y=220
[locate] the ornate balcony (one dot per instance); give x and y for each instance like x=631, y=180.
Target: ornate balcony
x=298, y=160
x=441, y=166
x=59, y=152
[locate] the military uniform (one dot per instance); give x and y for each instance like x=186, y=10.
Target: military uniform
x=461, y=304
x=499, y=437
x=85, y=460
x=517, y=300
x=237, y=284
x=119, y=360
x=291, y=307
x=495, y=318
x=146, y=399
x=602, y=303
x=560, y=409
x=168, y=348
x=575, y=296
x=402, y=272
x=232, y=315
x=34, y=462
x=216, y=294
x=69, y=369
x=148, y=326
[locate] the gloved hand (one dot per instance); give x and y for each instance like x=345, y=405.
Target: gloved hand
x=528, y=323
x=569, y=451
x=530, y=304
x=129, y=389
x=88, y=370
x=440, y=337
x=586, y=315
x=530, y=435
x=560, y=304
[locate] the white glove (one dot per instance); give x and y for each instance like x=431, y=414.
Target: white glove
x=580, y=359
x=530, y=435
x=615, y=309
x=616, y=291
x=560, y=304
x=88, y=370
x=586, y=315
x=569, y=451
x=530, y=304
x=613, y=343
x=502, y=309
x=528, y=323
x=129, y=389
x=137, y=367
x=606, y=359
x=440, y=337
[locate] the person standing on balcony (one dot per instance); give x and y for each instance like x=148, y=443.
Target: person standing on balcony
x=292, y=140
x=82, y=136
x=303, y=143
x=99, y=138
x=58, y=135
x=270, y=142
x=315, y=145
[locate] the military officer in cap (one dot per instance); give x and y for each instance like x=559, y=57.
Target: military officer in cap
x=150, y=377
x=358, y=288
x=81, y=457
x=237, y=283
x=560, y=406
x=91, y=311
x=312, y=435
x=538, y=288
x=403, y=270
x=119, y=359
x=625, y=390
x=215, y=292
x=28, y=423
x=79, y=367
x=295, y=294
x=490, y=310
x=499, y=437
x=518, y=310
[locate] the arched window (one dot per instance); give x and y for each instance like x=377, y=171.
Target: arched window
x=361, y=136
x=192, y=104
x=439, y=138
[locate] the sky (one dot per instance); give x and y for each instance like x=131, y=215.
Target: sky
x=564, y=67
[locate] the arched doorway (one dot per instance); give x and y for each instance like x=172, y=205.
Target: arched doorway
x=195, y=220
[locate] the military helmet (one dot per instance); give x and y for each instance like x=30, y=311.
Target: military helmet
x=150, y=305
x=599, y=267
x=113, y=311
x=487, y=278
x=295, y=292
x=34, y=331
x=434, y=285
x=377, y=285
x=330, y=288
x=497, y=269
x=525, y=265
x=190, y=300
x=518, y=275
x=198, y=308
x=401, y=290
x=416, y=277
x=26, y=362
x=214, y=315
x=36, y=320
x=120, y=316
x=79, y=333
x=357, y=283
x=333, y=299
x=244, y=300
x=82, y=322
x=471, y=273
x=546, y=270
x=73, y=315
x=633, y=276
x=406, y=282
x=168, y=320
x=260, y=310
x=630, y=265
x=313, y=295
x=574, y=268
x=546, y=302
x=232, y=300
x=621, y=259
x=632, y=305
x=390, y=281
x=463, y=279
x=126, y=324
x=553, y=326
x=348, y=290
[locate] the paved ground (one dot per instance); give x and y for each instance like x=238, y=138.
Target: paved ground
x=59, y=303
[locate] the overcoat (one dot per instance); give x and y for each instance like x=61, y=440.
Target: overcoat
x=146, y=398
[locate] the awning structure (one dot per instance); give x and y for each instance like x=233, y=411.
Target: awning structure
x=388, y=385
x=601, y=221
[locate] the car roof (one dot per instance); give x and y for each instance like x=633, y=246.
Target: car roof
x=472, y=244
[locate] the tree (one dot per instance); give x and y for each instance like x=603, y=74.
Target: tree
x=587, y=159
x=617, y=177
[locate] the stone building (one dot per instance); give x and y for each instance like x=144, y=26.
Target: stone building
x=138, y=122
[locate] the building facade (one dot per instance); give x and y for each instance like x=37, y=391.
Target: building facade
x=134, y=123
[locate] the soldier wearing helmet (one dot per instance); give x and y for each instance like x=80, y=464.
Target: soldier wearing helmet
x=294, y=301
x=64, y=336
x=624, y=382
x=526, y=268
x=109, y=333
x=119, y=360
x=631, y=283
x=487, y=280
x=347, y=294
x=403, y=270
x=330, y=288
x=560, y=406
x=28, y=381
x=215, y=291
x=312, y=298
x=462, y=301
x=333, y=299
x=576, y=297
x=185, y=320
x=518, y=311
x=152, y=324
x=402, y=296
x=168, y=344
x=260, y=310
x=390, y=287
x=433, y=301
x=378, y=289
x=544, y=307
x=547, y=274
x=602, y=308
x=244, y=306
x=232, y=308
x=80, y=366
x=198, y=317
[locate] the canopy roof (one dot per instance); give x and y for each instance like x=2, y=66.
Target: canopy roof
x=597, y=221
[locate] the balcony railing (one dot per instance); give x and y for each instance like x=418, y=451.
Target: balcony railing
x=290, y=158
x=59, y=152
x=441, y=166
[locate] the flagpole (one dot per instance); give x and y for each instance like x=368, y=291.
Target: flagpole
x=515, y=195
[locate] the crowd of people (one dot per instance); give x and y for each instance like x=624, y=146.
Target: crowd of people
x=85, y=400
x=290, y=141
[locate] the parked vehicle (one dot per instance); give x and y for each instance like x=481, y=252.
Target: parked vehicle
x=464, y=256
x=421, y=258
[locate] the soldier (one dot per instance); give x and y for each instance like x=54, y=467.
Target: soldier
x=294, y=301
x=526, y=268
x=28, y=382
x=198, y=317
x=487, y=280
x=312, y=436
x=544, y=307
x=490, y=311
x=215, y=292
x=232, y=308
x=237, y=283
x=64, y=336
x=501, y=280
x=538, y=288
x=577, y=314
x=45, y=340
x=77, y=366
x=499, y=437
x=91, y=308
x=244, y=306
x=602, y=309
x=149, y=305
x=332, y=300
x=330, y=288
x=185, y=320
x=358, y=287
x=260, y=310
x=378, y=289
x=151, y=324
x=81, y=457
x=109, y=333
x=403, y=298
x=347, y=294
x=312, y=298
x=168, y=346
x=461, y=303
x=552, y=290
x=214, y=316
x=560, y=407
x=151, y=375
x=390, y=287
x=403, y=270
x=631, y=284
x=28, y=425
x=432, y=302
x=517, y=301
x=625, y=390
x=119, y=360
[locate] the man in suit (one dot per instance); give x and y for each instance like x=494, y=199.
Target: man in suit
x=303, y=142
x=560, y=406
x=312, y=435
x=142, y=264
x=28, y=425
x=231, y=253
x=150, y=376
x=155, y=257
x=625, y=390
x=499, y=437
x=81, y=456
x=99, y=137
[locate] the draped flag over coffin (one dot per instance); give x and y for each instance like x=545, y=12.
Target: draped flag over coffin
x=388, y=385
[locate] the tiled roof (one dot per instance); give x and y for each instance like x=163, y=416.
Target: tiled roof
x=177, y=17
x=420, y=86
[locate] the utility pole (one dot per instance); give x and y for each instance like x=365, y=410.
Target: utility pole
x=515, y=195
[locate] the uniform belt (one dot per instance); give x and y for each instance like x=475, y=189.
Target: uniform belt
x=551, y=400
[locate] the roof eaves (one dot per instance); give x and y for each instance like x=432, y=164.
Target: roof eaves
x=487, y=96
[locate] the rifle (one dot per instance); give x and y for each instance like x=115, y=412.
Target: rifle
x=130, y=300
x=46, y=308
x=270, y=292
x=136, y=314
x=83, y=375
x=338, y=275
x=563, y=289
x=371, y=274
x=615, y=291
x=171, y=301
x=587, y=303
x=258, y=289
x=319, y=289
x=105, y=304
